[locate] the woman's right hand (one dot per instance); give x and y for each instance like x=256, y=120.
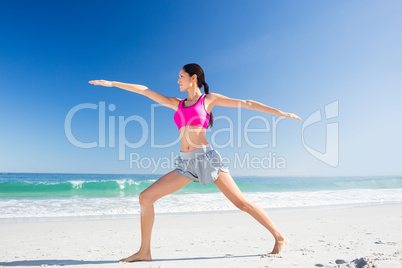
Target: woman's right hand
x=101, y=83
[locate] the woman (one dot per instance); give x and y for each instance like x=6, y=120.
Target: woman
x=197, y=160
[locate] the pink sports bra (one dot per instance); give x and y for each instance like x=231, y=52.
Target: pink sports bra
x=195, y=114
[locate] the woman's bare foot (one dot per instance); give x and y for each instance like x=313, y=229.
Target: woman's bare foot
x=280, y=243
x=138, y=257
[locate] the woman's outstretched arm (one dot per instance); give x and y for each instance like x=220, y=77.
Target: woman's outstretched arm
x=143, y=90
x=220, y=100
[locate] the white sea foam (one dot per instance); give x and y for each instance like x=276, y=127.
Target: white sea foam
x=121, y=184
x=188, y=203
x=77, y=184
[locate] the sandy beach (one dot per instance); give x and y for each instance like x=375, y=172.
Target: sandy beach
x=330, y=237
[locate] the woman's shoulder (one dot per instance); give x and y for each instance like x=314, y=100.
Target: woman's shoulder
x=212, y=97
x=175, y=102
x=210, y=100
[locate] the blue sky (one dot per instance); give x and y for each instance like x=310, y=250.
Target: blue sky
x=297, y=56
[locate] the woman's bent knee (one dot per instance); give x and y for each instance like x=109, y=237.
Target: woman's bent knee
x=146, y=199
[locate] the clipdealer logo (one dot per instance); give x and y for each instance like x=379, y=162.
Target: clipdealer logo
x=331, y=154
x=108, y=126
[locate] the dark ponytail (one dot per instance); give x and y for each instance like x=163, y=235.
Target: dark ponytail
x=195, y=69
x=206, y=88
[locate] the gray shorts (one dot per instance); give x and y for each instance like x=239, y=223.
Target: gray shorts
x=201, y=165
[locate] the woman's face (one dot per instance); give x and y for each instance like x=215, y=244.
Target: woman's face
x=185, y=81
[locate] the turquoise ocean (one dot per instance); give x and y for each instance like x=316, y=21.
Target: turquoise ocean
x=33, y=196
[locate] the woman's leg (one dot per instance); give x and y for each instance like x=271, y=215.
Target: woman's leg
x=169, y=183
x=229, y=188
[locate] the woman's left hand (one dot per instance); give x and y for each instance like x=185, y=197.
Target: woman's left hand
x=290, y=115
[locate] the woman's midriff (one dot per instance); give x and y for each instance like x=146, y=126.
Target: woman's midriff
x=192, y=137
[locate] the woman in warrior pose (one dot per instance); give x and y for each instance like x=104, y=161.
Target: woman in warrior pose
x=197, y=161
